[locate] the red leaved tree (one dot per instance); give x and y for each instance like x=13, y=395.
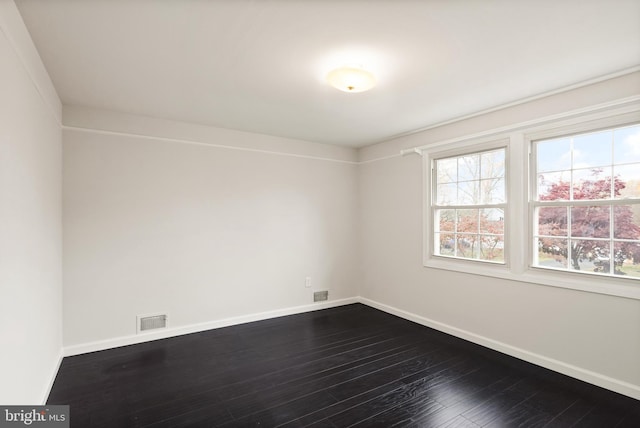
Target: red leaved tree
x=589, y=222
x=488, y=241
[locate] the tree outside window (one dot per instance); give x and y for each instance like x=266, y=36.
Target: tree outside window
x=469, y=209
x=588, y=203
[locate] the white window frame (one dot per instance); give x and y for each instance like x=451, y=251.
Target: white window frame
x=431, y=158
x=576, y=129
x=519, y=251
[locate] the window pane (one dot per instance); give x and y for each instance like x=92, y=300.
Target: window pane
x=626, y=222
x=590, y=222
x=552, y=221
x=445, y=244
x=554, y=186
x=627, y=180
x=469, y=167
x=554, y=155
x=627, y=258
x=447, y=194
x=468, y=192
x=446, y=220
x=492, y=221
x=627, y=145
x=492, y=164
x=592, y=150
x=603, y=237
x=473, y=179
x=467, y=221
x=492, y=191
x=492, y=248
x=447, y=170
x=466, y=246
x=590, y=256
x=594, y=183
x=552, y=253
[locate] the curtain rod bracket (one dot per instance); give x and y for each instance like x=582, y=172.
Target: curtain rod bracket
x=413, y=151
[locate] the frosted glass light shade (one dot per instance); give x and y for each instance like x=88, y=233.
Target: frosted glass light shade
x=351, y=79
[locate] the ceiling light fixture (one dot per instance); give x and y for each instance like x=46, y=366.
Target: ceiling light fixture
x=351, y=79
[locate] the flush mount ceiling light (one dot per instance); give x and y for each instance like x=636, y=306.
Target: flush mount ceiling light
x=351, y=79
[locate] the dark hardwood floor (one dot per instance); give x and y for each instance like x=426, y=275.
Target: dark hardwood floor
x=340, y=367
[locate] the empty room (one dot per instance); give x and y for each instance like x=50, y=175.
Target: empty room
x=321, y=213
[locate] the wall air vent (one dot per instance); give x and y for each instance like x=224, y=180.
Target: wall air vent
x=151, y=322
x=320, y=296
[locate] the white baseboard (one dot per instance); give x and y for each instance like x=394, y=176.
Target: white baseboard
x=52, y=378
x=101, y=345
x=589, y=376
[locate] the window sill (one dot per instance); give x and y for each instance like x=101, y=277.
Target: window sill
x=619, y=287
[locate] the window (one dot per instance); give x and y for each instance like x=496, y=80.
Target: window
x=468, y=206
x=586, y=202
x=553, y=201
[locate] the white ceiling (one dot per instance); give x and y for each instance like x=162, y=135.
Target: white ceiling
x=259, y=66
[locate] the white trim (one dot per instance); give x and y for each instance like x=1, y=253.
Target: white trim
x=517, y=180
x=429, y=257
x=395, y=155
x=520, y=102
x=623, y=105
x=610, y=286
x=101, y=345
x=200, y=143
x=517, y=235
x=52, y=378
x=605, y=284
x=406, y=152
x=580, y=373
x=12, y=27
x=617, y=107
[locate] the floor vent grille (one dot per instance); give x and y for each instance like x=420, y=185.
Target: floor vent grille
x=152, y=322
x=320, y=296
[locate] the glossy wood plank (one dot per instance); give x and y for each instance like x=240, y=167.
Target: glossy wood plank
x=346, y=366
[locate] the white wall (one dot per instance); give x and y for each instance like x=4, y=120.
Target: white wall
x=210, y=224
x=592, y=336
x=202, y=223
x=30, y=218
